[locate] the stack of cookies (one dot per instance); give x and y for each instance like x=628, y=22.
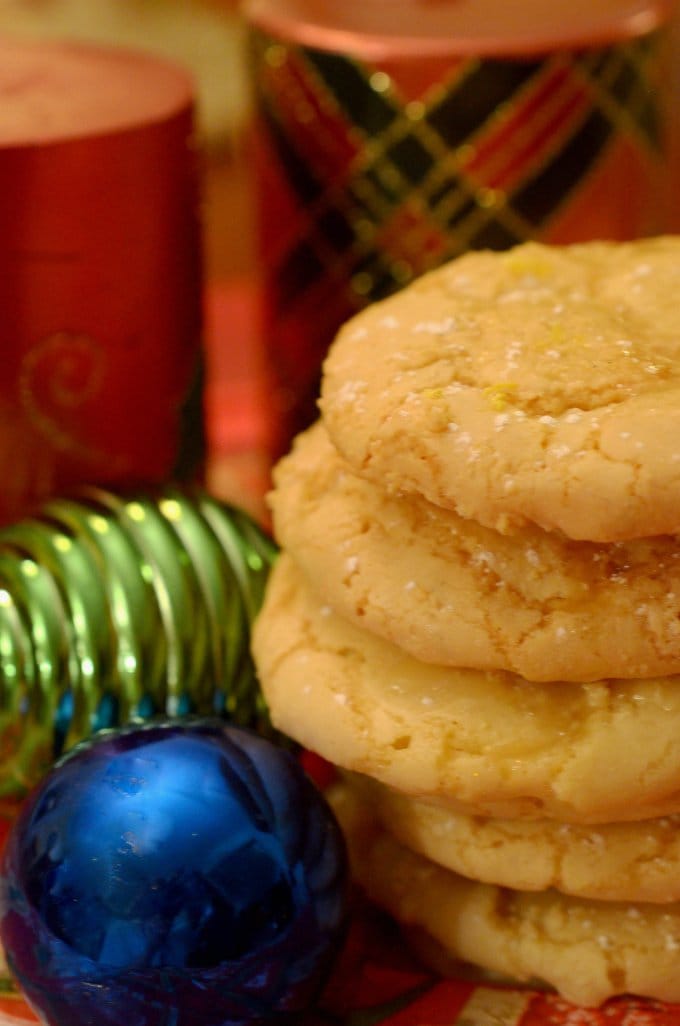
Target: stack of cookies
x=476, y=612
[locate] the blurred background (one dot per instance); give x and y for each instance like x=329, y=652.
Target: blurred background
x=207, y=37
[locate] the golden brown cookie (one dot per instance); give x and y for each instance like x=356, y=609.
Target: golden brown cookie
x=538, y=385
x=613, y=862
x=588, y=950
x=488, y=741
x=451, y=591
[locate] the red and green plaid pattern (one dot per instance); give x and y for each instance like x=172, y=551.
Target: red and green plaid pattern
x=372, y=174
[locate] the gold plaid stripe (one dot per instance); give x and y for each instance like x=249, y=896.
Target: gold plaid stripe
x=406, y=152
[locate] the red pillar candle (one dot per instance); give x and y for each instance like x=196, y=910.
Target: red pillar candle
x=99, y=270
x=395, y=134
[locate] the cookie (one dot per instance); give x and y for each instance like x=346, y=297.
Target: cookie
x=538, y=385
x=611, y=862
x=488, y=741
x=587, y=950
x=451, y=591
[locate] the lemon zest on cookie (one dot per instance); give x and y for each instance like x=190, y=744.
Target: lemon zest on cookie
x=528, y=265
x=499, y=395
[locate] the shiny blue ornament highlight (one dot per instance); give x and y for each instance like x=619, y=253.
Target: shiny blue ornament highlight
x=176, y=874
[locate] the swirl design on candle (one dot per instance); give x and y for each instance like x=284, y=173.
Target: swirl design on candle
x=59, y=377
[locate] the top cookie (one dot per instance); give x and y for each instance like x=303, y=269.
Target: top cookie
x=538, y=385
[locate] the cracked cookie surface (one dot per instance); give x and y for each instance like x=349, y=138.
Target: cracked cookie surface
x=537, y=385
x=611, y=861
x=488, y=741
x=451, y=591
x=588, y=950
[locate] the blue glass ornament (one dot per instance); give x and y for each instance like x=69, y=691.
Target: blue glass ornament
x=175, y=874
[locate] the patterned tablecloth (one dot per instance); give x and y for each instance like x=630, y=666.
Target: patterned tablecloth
x=376, y=980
